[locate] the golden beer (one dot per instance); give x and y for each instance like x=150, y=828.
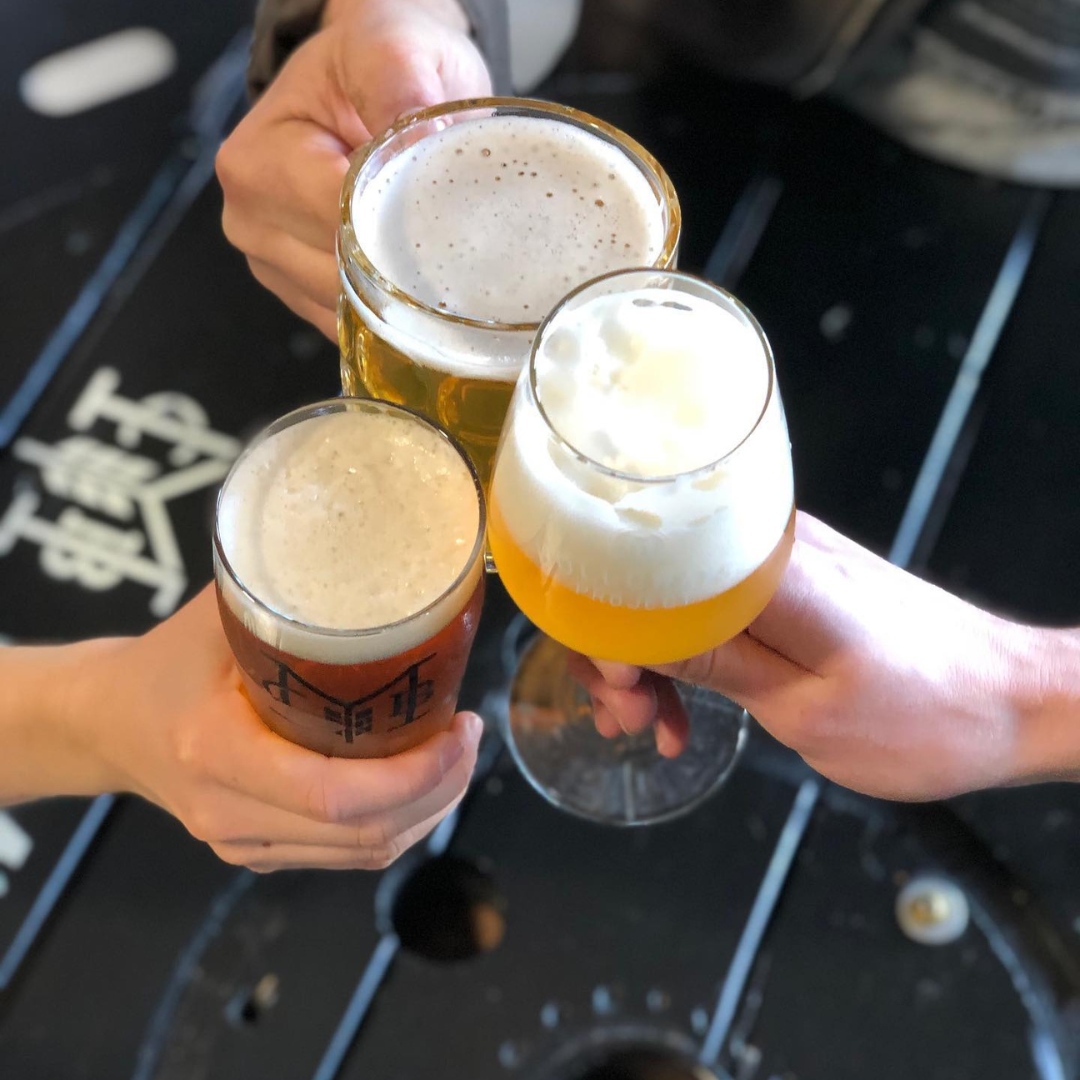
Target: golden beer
x=348, y=560
x=461, y=227
x=641, y=508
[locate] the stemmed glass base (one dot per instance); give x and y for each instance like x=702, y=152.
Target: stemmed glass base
x=622, y=781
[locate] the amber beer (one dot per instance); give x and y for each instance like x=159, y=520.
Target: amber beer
x=642, y=505
x=461, y=228
x=348, y=556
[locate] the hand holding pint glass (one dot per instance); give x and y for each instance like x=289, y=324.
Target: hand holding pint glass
x=348, y=556
x=641, y=511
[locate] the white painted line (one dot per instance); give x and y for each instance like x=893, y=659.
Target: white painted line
x=96, y=72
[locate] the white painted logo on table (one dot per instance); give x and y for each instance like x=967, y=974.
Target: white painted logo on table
x=116, y=525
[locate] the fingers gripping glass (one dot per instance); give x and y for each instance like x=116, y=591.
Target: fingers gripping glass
x=552, y=736
x=621, y=564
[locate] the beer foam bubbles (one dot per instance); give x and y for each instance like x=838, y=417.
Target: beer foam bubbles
x=496, y=219
x=638, y=386
x=349, y=520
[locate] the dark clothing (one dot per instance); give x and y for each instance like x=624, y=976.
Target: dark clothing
x=991, y=85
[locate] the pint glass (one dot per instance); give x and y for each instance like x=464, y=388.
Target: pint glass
x=461, y=227
x=348, y=557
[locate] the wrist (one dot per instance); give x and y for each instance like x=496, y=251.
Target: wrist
x=449, y=12
x=51, y=732
x=1046, y=698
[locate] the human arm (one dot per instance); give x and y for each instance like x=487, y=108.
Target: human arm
x=281, y=169
x=163, y=716
x=881, y=681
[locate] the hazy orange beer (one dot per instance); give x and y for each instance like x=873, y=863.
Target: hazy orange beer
x=348, y=556
x=642, y=505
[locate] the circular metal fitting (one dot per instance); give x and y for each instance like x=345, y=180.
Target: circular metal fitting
x=932, y=910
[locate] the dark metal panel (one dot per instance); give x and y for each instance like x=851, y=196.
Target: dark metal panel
x=1011, y=537
x=170, y=385
x=846, y=994
x=80, y=1007
x=199, y=357
x=133, y=133
x=603, y=928
x=869, y=280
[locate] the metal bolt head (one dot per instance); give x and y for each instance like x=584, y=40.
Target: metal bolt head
x=264, y=994
x=932, y=910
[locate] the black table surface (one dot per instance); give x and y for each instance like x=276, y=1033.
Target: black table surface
x=925, y=324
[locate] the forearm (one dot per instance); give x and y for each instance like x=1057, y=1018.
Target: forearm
x=48, y=745
x=1046, y=693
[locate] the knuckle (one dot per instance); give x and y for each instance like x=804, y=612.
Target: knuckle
x=231, y=161
x=382, y=857
x=196, y=824
x=244, y=233
x=377, y=834
x=228, y=854
x=397, y=50
x=203, y=824
x=226, y=164
x=229, y=225
x=259, y=271
x=245, y=858
x=375, y=860
x=238, y=214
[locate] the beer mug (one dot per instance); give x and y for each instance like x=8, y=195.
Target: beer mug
x=461, y=227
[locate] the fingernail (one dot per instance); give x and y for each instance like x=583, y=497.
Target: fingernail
x=473, y=724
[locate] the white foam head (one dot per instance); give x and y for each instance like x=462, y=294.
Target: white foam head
x=351, y=535
x=495, y=218
x=662, y=473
